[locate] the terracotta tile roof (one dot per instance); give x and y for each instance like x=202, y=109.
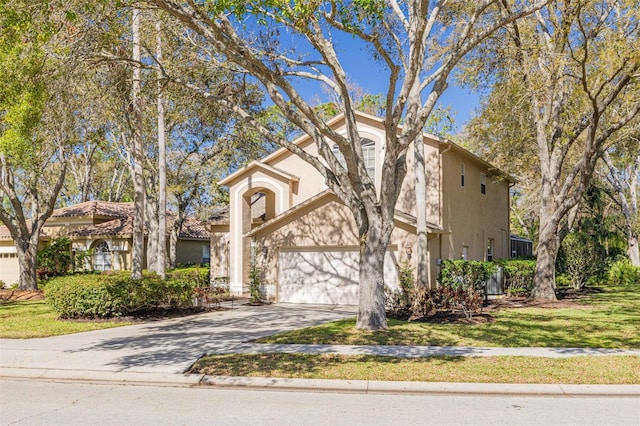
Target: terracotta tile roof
x=121, y=225
x=4, y=233
x=193, y=228
x=117, y=227
x=95, y=208
x=220, y=216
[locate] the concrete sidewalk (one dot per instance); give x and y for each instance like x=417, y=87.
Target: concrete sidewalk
x=158, y=353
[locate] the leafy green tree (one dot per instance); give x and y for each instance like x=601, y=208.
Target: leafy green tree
x=564, y=87
x=39, y=108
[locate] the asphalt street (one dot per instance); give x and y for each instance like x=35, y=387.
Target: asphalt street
x=47, y=403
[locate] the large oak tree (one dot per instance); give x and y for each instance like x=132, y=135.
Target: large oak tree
x=283, y=43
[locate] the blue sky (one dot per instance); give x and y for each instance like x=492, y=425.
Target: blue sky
x=372, y=77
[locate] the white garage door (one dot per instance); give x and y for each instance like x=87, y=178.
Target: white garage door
x=325, y=277
x=9, y=268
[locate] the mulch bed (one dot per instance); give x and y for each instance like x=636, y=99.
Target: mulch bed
x=12, y=295
x=567, y=298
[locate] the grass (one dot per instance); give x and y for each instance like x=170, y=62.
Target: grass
x=609, y=319
x=29, y=319
x=576, y=370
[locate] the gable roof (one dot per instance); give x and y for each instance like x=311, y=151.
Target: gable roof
x=257, y=165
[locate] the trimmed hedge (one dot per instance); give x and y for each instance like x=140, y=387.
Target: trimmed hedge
x=103, y=296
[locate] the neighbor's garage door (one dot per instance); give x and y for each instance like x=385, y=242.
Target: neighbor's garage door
x=9, y=268
x=324, y=277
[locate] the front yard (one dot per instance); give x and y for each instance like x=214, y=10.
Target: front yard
x=605, y=318
x=25, y=319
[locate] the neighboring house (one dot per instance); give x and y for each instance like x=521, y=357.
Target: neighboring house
x=105, y=230
x=304, y=240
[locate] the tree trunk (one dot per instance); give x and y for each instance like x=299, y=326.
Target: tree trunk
x=371, y=309
x=153, y=236
x=422, y=271
x=161, y=260
x=138, y=176
x=27, y=255
x=548, y=245
x=633, y=251
x=173, y=242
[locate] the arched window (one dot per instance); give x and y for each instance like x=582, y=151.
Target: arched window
x=368, y=154
x=102, y=257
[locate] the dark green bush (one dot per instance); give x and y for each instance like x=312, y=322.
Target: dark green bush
x=518, y=276
x=101, y=296
x=54, y=259
x=465, y=274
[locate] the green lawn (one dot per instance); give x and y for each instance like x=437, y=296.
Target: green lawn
x=576, y=370
x=610, y=319
x=28, y=319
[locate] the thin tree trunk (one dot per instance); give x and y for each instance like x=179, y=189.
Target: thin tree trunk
x=138, y=175
x=161, y=259
x=152, y=226
x=173, y=241
x=422, y=280
x=633, y=250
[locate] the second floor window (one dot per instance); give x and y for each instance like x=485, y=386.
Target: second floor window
x=483, y=183
x=368, y=154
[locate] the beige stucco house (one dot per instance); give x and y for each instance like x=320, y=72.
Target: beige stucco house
x=105, y=229
x=304, y=240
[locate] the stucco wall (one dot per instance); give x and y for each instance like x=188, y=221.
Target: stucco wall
x=473, y=217
x=330, y=226
x=190, y=251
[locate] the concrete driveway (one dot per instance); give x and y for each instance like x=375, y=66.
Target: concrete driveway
x=163, y=347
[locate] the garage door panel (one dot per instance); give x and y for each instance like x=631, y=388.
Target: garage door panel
x=324, y=277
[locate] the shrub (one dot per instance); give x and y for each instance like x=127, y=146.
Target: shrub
x=255, y=274
x=623, y=272
x=584, y=258
x=54, y=259
x=466, y=274
x=115, y=295
x=199, y=275
x=461, y=288
x=398, y=301
x=518, y=276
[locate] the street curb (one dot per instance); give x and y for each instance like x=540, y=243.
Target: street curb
x=107, y=377
x=388, y=387
x=315, y=385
